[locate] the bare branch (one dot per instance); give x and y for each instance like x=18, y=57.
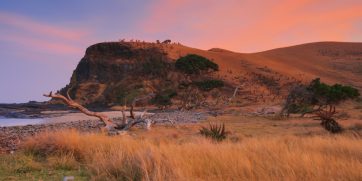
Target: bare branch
x=131, y=112
x=75, y=105
x=124, y=118
x=110, y=125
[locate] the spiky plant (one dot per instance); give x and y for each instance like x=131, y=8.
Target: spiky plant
x=216, y=132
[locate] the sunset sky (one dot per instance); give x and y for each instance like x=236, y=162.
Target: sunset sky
x=41, y=41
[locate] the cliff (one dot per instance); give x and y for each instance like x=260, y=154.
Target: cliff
x=113, y=73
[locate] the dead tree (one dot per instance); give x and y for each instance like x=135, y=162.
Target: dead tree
x=326, y=116
x=111, y=126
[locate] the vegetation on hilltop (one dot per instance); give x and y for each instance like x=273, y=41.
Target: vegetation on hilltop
x=208, y=85
x=193, y=64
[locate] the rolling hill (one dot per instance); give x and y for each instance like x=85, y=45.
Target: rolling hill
x=115, y=71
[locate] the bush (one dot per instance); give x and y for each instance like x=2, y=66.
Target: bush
x=207, y=85
x=302, y=108
x=193, y=64
x=155, y=67
x=164, y=98
x=125, y=95
x=324, y=94
x=303, y=98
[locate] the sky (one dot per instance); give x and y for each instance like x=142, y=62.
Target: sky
x=42, y=41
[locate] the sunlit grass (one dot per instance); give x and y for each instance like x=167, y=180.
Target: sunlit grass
x=20, y=166
x=256, y=148
x=259, y=158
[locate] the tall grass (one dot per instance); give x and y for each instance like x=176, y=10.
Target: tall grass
x=262, y=158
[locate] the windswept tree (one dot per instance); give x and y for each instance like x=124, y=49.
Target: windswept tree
x=111, y=126
x=319, y=98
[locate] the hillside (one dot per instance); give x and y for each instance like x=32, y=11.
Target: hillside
x=114, y=72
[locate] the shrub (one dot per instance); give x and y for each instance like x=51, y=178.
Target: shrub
x=124, y=96
x=155, y=67
x=299, y=108
x=321, y=95
x=207, y=85
x=215, y=132
x=164, y=98
x=324, y=94
x=193, y=64
x=302, y=98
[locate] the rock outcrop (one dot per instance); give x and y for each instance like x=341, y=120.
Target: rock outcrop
x=110, y=73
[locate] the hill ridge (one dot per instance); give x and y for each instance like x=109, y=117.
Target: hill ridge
x=262, y=76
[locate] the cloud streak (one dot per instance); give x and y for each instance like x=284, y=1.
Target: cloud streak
x=30, y=25
x=39, y=36
x=250, y=26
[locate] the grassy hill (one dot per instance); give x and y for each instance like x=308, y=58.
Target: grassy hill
x=113, y=72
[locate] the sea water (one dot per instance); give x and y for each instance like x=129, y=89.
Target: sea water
x=4, y=122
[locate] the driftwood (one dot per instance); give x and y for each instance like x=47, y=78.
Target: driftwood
x=111, y=127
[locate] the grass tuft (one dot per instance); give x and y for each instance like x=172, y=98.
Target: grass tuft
x=214, y=131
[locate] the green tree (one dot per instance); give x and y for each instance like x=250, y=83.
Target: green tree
x=193, y=64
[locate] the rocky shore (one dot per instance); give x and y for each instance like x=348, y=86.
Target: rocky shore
x=11, y=137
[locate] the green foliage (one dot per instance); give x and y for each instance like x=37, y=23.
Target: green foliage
x=215, y=132
x=299, y=108
x=155, y=67
x=208, y=85
x=302, y=98
x=124, y=96
x=193, y=64
x=164, y=98
x=325, y=94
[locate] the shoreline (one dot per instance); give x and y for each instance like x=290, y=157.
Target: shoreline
x=12, y=136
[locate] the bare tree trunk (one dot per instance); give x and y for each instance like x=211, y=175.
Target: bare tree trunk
x=69, y=101
x=111, y=127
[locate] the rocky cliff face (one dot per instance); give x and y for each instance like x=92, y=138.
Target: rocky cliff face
x=114, y=72
x=112, y=62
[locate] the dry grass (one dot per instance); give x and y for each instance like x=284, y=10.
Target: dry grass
x=174, y=158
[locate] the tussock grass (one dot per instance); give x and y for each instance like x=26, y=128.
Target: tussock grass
x=256, y=158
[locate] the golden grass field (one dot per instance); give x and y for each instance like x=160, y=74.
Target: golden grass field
x=256, y=149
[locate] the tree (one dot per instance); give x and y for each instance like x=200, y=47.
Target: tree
x=324, y=94
x=304, y=99
x=193, y=64
x=319, y=98
x=110, y=126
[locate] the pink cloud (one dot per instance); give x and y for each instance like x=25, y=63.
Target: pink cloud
x=253, y=25
x=42, y=45
x=32, y=35
x=30, y=25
